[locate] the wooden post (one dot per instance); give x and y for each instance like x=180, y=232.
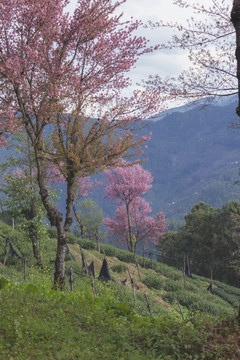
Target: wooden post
x=137, y=265
x=184, y=270
x=151, y=254
x=181, y=310
x=98, y=242
x=6, y=250
x=25, y=269
x=84, y=264
x=132, y=283
x=94, y=293
x=71, y=279
x=148, y=305
x=144, y=256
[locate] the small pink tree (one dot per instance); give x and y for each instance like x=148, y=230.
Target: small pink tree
x=126, y=184
x=144, y=227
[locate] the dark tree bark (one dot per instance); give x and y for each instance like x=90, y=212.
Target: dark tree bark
x=235, y=18
x=56, y=219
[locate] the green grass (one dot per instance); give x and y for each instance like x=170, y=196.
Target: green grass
x=39, y=323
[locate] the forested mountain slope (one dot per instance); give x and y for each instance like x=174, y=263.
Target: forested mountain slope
x=193, y=156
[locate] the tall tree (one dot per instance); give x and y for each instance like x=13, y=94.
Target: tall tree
x=145, y=228
x=210, y=238
x=235, y=17
x=126, y=185
x=56, y=70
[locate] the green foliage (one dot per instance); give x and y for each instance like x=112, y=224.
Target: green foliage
x=90, y=218
x=3, y=282
x=52, y=233
x=64, y=325
x=119, y=268
x=36, y=320
x=125, y=256
x=109, y=250
x=210, y=240
x=154, y=281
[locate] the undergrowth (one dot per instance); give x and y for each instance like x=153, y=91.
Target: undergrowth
x=105, y=321
x=37, y=322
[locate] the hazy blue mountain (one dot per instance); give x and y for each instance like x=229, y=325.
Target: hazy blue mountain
x=198, y=105
x=193, y=155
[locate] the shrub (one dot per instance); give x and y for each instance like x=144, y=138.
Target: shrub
x=87, y=244
x=119, y=268
x=173, y=285
x=76, y=268
x=108, y=250
x=52, y=233
x=230, y=298
x=154, y=281
x=125, y=256
x=169, y=297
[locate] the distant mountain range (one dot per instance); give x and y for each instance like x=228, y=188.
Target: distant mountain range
x=193, y=155
x=198, y=105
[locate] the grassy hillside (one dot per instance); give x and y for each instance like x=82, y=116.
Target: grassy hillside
x=106, y=321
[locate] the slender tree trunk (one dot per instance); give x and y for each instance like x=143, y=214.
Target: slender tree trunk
x=69, y=198
x=36, y=252
x=129, y=228
x=97, y=239
x=59, y=275
x=56, y=219
x=79, y=222
x=33, y=214
x=235, y=18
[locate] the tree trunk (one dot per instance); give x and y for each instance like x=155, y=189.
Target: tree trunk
x=235, y=18
x=129, y=229
x=59, y=275
x=56, y=219
x=33, y=214
x=33, y=235
x=97, y=239
x=36, y=252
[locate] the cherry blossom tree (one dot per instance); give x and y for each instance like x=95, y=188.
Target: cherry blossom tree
x=145, y=228
x=56, y=72
x=126, y=184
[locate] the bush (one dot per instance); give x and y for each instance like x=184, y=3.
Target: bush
x=108, y=250
x=147, y=264
x=230, y=298
x=76, y=268
x=125, y=256
x=173, y=285
x=154, y=281
x=119, y=268
x=87, y=244
x=170, y=298
x=52, y=233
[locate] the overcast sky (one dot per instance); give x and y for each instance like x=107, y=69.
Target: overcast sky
x=164, y=63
